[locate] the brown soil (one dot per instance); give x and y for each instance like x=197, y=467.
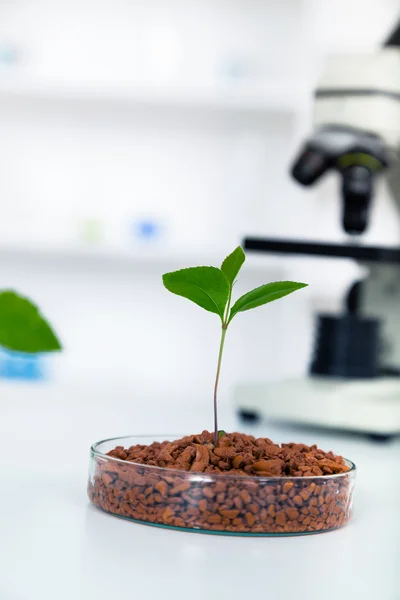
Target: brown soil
x=238, y=503
x=235, y=454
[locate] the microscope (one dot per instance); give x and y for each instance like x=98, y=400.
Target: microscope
x=353, y=382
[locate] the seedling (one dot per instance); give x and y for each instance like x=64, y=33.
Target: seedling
x=22, y=327
x=211, y=288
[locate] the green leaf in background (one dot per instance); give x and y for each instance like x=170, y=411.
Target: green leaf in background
x=264, y=294
x=22, y=327
x=206, y=286
x=232, y=264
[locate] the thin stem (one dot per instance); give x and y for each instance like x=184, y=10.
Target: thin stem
x=221, y=348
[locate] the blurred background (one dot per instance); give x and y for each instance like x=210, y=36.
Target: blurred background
x=142, y=136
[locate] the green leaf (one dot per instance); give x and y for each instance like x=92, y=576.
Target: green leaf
x=232, y=264
x=221, y=434
x=206, y=286
x=22, y=327
x=264, y=294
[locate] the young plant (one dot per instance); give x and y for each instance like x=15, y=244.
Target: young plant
x=22, y=327
x=211, y=288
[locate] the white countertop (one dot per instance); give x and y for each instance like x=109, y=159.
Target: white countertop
x=55, y=546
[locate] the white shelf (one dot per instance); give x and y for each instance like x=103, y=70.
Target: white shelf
x=280, y=96
x=173, y=258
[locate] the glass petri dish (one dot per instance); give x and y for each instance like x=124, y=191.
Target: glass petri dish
x=216, y=504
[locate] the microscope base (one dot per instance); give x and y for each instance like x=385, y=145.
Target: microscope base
x=371, y=407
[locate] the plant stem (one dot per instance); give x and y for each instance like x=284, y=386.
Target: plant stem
x=221, y=348
x=225, y=324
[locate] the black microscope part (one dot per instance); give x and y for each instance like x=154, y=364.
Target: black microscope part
x=346, y=346
x=309, y=166
x=358, y=157
x=374, y=254
x=357, y=191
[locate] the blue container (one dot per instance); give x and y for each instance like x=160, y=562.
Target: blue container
x=21, y=366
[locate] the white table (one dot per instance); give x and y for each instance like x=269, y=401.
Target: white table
x=55, y=546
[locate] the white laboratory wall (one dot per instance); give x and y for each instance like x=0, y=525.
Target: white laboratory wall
x=132, y=141
x=201, y=176
x=132, y=40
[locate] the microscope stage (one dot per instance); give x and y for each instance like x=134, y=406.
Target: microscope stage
x=366, y=406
